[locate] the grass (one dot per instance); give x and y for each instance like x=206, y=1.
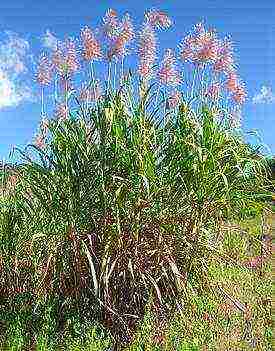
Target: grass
x=199, y=323
x=81, y=249
x=135, y=223
x=89, y=237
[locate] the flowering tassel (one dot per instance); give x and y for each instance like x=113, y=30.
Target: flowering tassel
x=110, y=24
x=44, y=77
x=200, y=47
x=91, y=47
x=224, y=62
x=239, y=94
x=159, y=19
x=168, y=74
x=147, y=51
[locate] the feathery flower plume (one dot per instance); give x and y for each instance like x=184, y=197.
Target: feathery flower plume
x=58, y=58
x=186, y=48
x=44, y=71
x=145, y=69
x=168, y=74
x=147, y=49
x=207, y=47
x=91, y=47
x=235, y=87
x=225, y=61
x=44, y=76
x=231, y=83
x=71, y=56
x=174, y=100
x=65, y=59
x=239, y=94
x=199, y=47
x=116, y=49
x=118, y=45
x=157, y=18
x=110, y=24
x=127, y=29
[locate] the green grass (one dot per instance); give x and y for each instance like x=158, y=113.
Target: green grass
x=198, y=325
x=94, y=242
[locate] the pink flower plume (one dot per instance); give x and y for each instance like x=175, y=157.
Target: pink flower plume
x=168, y=74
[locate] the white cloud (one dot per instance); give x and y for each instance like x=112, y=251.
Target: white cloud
x=15, y=57
x=49, y=40
x=265, y=96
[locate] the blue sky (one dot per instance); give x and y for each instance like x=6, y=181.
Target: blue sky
x=23, y=24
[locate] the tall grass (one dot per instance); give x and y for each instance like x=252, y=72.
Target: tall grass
x=118, y=206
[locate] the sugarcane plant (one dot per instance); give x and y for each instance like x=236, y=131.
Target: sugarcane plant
x=132, y=172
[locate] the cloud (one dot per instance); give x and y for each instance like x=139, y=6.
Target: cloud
x=265, y=96
x=49, y=40
x=15, y=58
